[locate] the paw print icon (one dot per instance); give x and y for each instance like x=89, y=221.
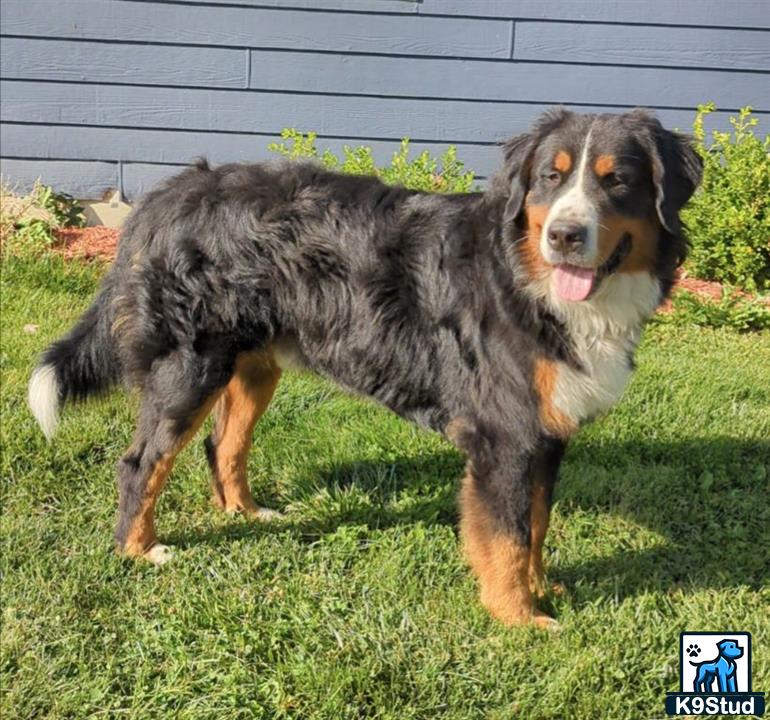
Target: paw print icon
x=693, y=650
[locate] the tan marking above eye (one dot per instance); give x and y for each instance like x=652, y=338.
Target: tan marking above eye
x=604, y=165
x=563, y=161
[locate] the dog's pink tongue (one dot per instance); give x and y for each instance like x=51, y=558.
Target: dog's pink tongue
x=573, y=283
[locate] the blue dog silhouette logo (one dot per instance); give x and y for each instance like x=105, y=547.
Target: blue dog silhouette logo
x=721, y=669
x=715, y=676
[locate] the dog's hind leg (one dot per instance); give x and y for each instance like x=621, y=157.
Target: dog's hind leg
x=545, y=470
x=178, y=395
x=243, y=402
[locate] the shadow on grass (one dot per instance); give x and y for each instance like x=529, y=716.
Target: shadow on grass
x=707, y=499
x=372, y=494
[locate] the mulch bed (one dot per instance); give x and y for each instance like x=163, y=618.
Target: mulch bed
x=91, y=243
x=100, y=243
x=705, y=288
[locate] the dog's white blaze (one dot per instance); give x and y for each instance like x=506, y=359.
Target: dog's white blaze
x=43, y=398
x=575, y=205
x=606, y=329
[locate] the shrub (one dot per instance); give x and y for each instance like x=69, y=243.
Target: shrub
x=729, y=217
x=732, y=310
x=28, y=223
x=424, y=172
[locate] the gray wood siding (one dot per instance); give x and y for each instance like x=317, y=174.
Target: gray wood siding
x=100, y=94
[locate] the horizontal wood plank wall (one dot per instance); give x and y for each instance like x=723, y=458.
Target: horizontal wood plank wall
x=103, y=94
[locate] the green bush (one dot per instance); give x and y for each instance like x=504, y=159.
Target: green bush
x=28, y=224
x=729, y=217
x=445, y=174
x=732, y=310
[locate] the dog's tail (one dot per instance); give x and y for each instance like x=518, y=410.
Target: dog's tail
x=83, y=363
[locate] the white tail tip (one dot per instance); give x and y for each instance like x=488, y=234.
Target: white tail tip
x=44, y=398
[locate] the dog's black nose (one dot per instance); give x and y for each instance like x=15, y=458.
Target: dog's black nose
x=566, y=236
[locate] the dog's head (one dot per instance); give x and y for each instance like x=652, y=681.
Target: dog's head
x=589, y=196
x=730, y=649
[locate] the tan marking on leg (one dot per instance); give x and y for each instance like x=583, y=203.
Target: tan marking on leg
x=244, y=401
x=553, y=419
x=644, y=241
x=500, y=563
x=604, y=165
x=563, y=161
x=141, y=537
x=539, y=518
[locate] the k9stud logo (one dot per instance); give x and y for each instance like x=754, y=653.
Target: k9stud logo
x=715, y=676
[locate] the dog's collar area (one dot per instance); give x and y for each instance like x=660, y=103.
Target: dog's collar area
x=619, y=254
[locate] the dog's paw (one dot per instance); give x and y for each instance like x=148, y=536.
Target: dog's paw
x=693, y=650
x=558, y=589
x=159, y=554
x=263, y=514
x=545, y=622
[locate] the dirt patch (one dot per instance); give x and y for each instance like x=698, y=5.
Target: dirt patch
x=91, y=243
x=705, y=289
x=701, y=287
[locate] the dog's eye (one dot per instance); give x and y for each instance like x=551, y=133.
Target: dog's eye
x=552, y=178
x=615, y=180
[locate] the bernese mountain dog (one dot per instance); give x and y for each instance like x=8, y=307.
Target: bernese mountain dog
x=503, y=319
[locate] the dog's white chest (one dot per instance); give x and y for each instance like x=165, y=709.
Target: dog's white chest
x=605, y=331
x=583, y=394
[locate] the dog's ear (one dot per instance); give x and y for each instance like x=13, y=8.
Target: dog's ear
x=676, y=168
x=518, y=153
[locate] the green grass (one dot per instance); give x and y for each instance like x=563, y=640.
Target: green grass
x=359, y=604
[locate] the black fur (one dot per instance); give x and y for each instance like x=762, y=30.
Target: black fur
x=417, y=300
x=550, y=455
x=85, y=360
x=676, y=172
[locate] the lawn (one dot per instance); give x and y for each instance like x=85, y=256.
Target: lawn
x=358, y=604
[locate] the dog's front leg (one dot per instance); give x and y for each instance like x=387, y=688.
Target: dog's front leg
x=543, y=477
x=495, y=528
